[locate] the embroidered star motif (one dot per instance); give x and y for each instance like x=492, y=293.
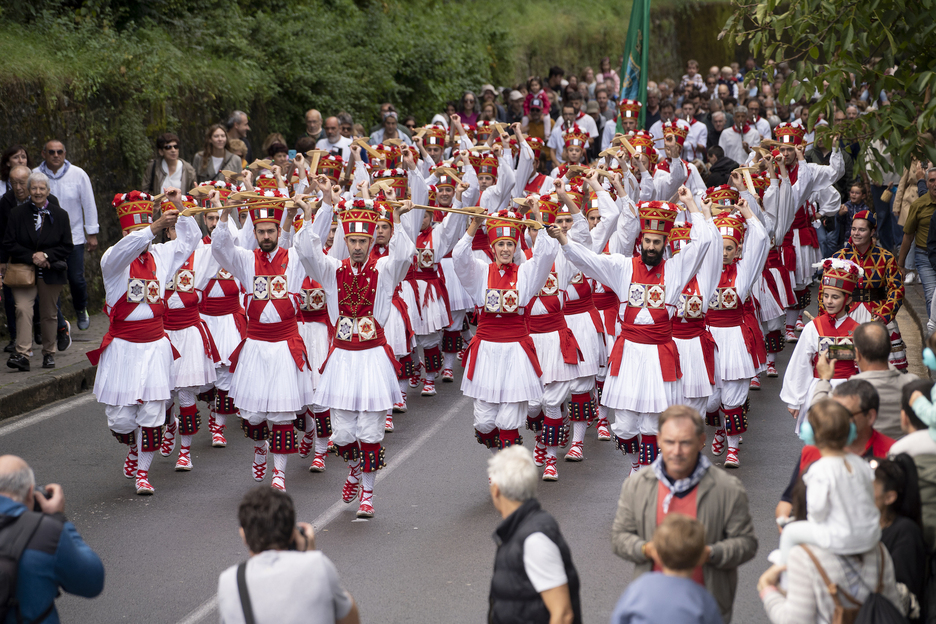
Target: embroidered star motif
x=136, y=290
x=184, y=280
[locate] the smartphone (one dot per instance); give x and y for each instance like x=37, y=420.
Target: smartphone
x=841, y=352
x=292, y=154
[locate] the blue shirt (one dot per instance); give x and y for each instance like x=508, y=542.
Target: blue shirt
x=655, y=598
x=68, y=563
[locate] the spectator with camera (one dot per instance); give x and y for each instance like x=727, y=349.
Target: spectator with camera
x=285, y=580
x=49, y=552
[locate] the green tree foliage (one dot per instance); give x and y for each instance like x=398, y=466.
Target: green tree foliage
x=835, y=47
x=272, y=59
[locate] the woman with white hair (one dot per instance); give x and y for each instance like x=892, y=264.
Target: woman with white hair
x=38, y=240
x=534, y=578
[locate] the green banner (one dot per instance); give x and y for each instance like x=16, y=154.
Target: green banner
x=634, y=67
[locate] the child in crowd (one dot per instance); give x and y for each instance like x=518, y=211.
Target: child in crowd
x=535, y=91
x=854, y=205
x=841, y=515
x=692, y=77
x=678, y=545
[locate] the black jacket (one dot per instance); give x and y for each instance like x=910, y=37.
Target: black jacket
x=720, y=172
x=513, y=599
x=21, y=239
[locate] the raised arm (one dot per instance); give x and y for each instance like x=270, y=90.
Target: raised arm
x=532, y=274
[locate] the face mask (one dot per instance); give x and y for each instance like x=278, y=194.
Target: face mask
x=929, y=358
x=807, y=435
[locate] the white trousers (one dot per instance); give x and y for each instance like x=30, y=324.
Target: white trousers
x=126, y=418
x=274, y=418
x=628, y=424
x=487, y=416
x=348, y=427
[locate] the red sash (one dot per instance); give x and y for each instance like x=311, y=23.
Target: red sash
x=568, y=345
x=149, y=330
x=356, y=344
x=287, y=331
x=608, y=305
x=183, y=318
x=660, y=334
x=493, y=328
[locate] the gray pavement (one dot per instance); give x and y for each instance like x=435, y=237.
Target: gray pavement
x=427, y=555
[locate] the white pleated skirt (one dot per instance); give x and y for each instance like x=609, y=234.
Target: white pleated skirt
x=267, y=379
x=806, y=257
x=592, y=344
x=458, y=296
x=639, y=384
x=225, y=335
x=431, y=314
x=359, y=381
x=395, y=333
x=129, y=372
x=695, y=379
x=315, y=337
x=768, y=305
x=734, y=361
x=502, y=374
x=550, y=359
x=195, y=368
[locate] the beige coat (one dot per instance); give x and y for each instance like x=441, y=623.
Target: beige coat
x=722, y=507
x=231, y=162
x=154, y=175
x=906, y=193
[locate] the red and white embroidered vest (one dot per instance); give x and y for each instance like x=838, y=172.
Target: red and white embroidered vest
x=501, y=295
x=183, y=285
x=142, y=288
x=356, y=294
x=646, y=292
x=830, y=335
x=270, y=286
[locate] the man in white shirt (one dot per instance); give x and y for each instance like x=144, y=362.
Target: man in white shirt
x=762, y=125
x=534, y=578
x=572, y=114
x=333, y=142
x=667, y=112
x=694, y=147
x=286, y=580
x=738, y=140
x=72, y=186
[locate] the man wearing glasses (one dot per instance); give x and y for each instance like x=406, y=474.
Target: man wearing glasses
x=72, y=186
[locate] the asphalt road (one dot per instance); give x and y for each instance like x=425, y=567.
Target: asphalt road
x=425, y=557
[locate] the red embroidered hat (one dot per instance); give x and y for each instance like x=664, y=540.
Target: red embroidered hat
x=731, y=226
x=840, y=274
x=575, y=137
x=630, y=108
x=678, y=237
x=134, y=210
x=678, y=128
x=359, y=217
x=398, y=180
x=503, y=230
x=267, y=212
x=656, y=217
x=790, y=133
x=723, y=195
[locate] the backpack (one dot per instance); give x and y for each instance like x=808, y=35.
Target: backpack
x=15, y=534
x=876, y=609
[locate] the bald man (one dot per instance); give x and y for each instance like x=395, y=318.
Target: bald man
x=313, y=123
x=55, y=557
x=333, y=142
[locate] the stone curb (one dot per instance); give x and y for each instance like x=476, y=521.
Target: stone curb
x=56, y=385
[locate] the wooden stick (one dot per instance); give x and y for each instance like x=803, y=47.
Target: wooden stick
x=749, y=182
x=450, y=172
x=367, y=147
x=263, y=164
x=808, y=315
x=316, y=156
x=396, y=142
x=381, y=185
x=587, y=170
x=627, y=145
x=536, y=225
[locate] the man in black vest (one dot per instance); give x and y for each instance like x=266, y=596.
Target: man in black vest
x=534, y=579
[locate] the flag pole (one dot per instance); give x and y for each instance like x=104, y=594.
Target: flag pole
x=636, y=57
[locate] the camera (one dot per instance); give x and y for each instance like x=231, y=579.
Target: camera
x=42, y=491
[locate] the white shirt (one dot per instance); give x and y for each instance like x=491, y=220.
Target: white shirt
x=216, y=162
x=840, y=500
x=556, y=142
x=542, y=563
x=286, y=587
x=731, y=141
x=340, y=148
x=698, y=135
x=173, y=180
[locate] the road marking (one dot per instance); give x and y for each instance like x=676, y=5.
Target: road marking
x=21, y=422
x=209, y=606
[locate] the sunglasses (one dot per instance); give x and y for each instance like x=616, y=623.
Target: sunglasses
x=411, y=126
x=52, y=152
x=174, y=146
x=469, y=101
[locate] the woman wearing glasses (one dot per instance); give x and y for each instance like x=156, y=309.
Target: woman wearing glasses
x=167, y=169
x=469, y=109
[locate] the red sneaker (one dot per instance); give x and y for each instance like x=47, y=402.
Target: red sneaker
x=731, y=460
x=366, y=508
x=318, y=463
x=550, y=473
x=718, y=442
x=755, y=383
x=772, y=370
x=575, y=453
x=169, y=436
x=279, y=480
x=448, y=375
x=217, y=432
x=539, y=452
x=429, y=388
x=352, y=484
x=130, y=464
x=184, y=462
x=259, y=466
x=604, y=432
x=388, y=424
x=401, y=406
x=307, y=444
x=417, y=376
x=143, y=486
